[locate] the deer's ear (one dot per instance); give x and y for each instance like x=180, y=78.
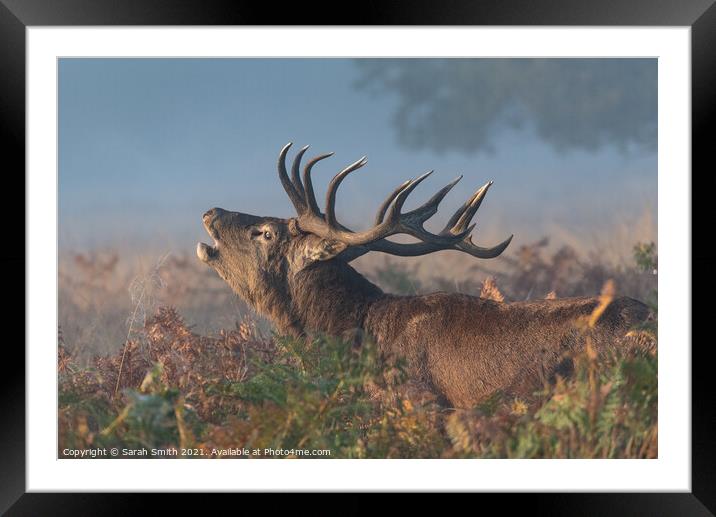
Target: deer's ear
x=293, y=228
x=324, y=249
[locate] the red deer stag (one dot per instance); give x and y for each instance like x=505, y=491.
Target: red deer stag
x=296, y=272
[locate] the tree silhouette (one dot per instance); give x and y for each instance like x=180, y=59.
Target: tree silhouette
x=463, y=104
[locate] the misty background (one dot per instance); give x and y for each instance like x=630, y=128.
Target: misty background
x=147, y=145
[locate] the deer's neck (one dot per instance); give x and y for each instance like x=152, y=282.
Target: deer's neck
x=331, y=297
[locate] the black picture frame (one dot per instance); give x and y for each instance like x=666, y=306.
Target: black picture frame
x=700, y=15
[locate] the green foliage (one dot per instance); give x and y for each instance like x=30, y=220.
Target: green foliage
x=294, y=395
x=322, y=394
x=645, y=256
x=607, y=409
x=315, y=395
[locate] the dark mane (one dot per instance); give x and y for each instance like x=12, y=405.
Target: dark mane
x=332, y=297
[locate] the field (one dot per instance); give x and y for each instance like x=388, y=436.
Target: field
x=157, y=354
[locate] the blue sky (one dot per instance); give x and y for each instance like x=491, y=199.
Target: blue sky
x=147, y=145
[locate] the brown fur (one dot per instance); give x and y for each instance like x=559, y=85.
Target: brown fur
x=468, y=347
x=463, y=347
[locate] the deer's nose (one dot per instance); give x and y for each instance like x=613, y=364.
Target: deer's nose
x=212, y=214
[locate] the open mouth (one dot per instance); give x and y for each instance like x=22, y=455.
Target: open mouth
x=204, y=251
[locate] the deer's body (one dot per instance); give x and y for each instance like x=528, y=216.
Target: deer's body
x=464, y=348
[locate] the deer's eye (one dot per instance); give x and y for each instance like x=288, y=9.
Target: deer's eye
x=267, y=235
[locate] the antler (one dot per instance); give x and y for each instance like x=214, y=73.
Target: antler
x=457, y=223
x=390, y=220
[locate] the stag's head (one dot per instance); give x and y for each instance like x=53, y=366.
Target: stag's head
x=254, y=253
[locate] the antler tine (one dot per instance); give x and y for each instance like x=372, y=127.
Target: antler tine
x=394, y=212
x=423, y=248
x=430, y=207
x=462, y=218
x=333, y=188
x=380, y=215
x=469, y=212
x=460, y=211
x=295, y=169
x=290, y=189
x=456, y=226
x=426, y=210
x=485, y=253
x=390, y=219
x=310, y=196
x=412, y=222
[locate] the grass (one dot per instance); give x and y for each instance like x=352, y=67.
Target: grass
x=169, y=387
